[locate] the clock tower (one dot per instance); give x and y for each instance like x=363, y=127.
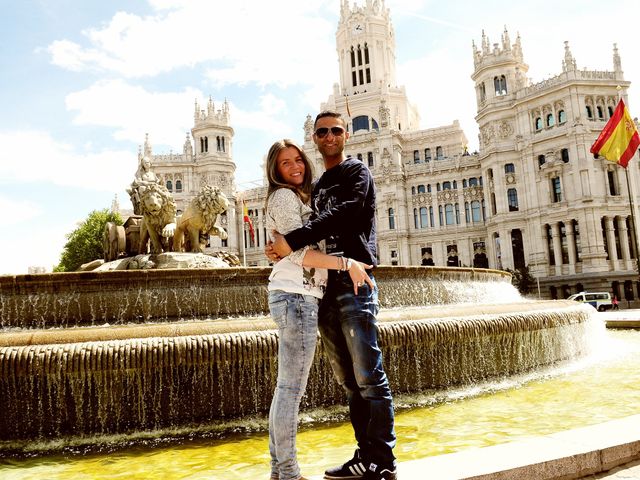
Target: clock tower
x=367, y=92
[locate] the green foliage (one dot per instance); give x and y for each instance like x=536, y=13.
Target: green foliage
x=522, y=279
x=84, y=244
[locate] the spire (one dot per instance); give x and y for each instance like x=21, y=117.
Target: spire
x=188, y=148
x=569, y=63
x=115, y=205
x=617, y=63
x=506, y=41
x=210, y=107
x=147, y=146
x=485, y=43
x=196, y=113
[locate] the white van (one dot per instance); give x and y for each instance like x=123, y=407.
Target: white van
x=601, y=301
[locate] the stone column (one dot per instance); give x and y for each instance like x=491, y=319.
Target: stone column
x=611, y=242
x=571, y=246
x=557, y=247
x=623, y=233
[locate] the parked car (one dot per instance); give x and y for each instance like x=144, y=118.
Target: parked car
x=601, y=301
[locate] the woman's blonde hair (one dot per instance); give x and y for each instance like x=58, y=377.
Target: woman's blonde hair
x=274, y=178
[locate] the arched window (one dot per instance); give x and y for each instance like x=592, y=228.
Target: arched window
x=446, y=185
x=427, y=154
x=440, y=216
x=178, y=185
x=433, y=224
x=564, y=155
x=589, y=112
x=415, y=218
x=550, y=120
x=562, y=117
x=423, y=217
x=421, y=189
x=416, y=156
x=500, y=84
x=439, y=154
x=509, y=168
x=360, y=123
x=413, y=190
x=392, y=220
x=353, y=58
x=359, y=156
x=366, y=54
x=541, y=160
x=464, y=183
x=169, y=186
x=610, y=110
x=448, y=214
x=600, y=112
x=512, y=199
x=467, y=216
x=538, y=124
x=455, y=185
x=476, y=214
x=473, y=182
x=359, y=56
x=428, y=188
x=370, y=158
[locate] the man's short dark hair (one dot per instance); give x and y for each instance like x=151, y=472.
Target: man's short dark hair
x=329, y=113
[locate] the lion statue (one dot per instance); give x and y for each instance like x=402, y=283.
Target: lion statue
x=198, y=220
x=158, y=218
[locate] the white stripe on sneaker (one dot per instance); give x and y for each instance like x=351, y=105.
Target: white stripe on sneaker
x=357, y=469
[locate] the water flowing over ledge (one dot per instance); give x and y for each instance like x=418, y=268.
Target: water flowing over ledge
x=174, y=358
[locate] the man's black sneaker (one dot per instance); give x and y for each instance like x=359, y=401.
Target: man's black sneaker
x=377, y=472
x=354, y=468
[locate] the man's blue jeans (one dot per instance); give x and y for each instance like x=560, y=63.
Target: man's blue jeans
x=349, y=332
x=297, y=319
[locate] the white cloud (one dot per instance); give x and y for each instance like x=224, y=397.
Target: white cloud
x=60, y=164
x=133, y=111
x=251, y=42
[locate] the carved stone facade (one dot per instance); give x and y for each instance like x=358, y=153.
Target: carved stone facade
x=534, y=196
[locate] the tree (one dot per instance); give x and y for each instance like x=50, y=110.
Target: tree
x=522, y=279
x=84, y=244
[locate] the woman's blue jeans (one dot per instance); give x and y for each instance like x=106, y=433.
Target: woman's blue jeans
x=349, y=332
x=297, y=319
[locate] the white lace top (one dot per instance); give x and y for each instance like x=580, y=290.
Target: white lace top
x=286, y=212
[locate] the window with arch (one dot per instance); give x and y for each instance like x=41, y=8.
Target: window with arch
x=564, y=155
x=562, y=117
x=169, y=185
x=589, y=112
x=427, y=154
x=476, y=212
x=541, y=160
x=440, y=216
x=467, y=216
x=392, y=219
x=556, y=190
x=433, y=224
x=416, y=223
x=550, y=120
x=178, y=186
x=509, y=168
x=370, y=159
x=353, y=58
x=610, y=110
x=538, y=123
x=416, y=156
x=600, y=112
x=424, y=220
x=359, y=156
x=439, y=153
x=361, y=122
x=421, y=189
x=446, y=185
x=512, y=199
x=500, y=84
x=413, y=190
x=483, y=92
x=464, y=183
x=473, y=182
x=448, y=214
x=428, y=188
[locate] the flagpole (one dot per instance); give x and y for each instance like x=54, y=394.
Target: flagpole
x=633, y=222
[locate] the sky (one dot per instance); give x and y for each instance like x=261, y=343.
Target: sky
x=82, y=81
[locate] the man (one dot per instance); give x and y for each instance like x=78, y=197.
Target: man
x=343, y=201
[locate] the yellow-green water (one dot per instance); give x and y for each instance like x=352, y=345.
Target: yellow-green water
x=603, y=388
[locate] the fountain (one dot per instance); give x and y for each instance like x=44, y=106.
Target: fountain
x=119, y=352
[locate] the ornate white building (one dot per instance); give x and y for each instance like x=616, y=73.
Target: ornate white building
x=534, y=196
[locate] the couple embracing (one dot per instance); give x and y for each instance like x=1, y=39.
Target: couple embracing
x=323, y=280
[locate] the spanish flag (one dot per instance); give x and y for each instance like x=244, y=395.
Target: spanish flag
x=619, y=139
x=245, y=212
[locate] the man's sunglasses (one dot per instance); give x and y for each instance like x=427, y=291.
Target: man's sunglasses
x=324, y=131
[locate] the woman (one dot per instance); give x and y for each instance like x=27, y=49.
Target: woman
x=296, y=286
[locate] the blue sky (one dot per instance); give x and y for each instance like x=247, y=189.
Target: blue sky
x=83, y=81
